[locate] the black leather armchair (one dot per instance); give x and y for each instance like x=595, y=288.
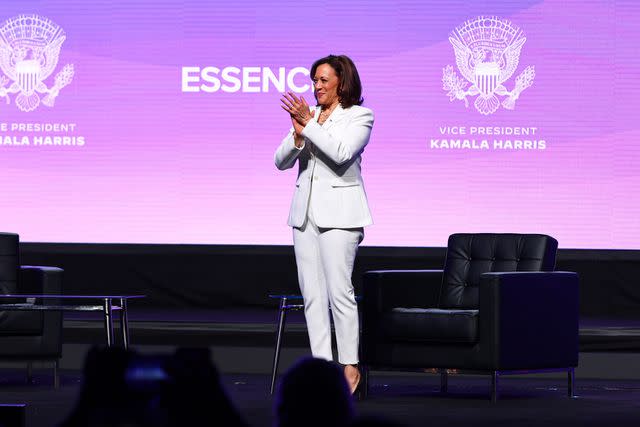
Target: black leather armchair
x=496, y=308
x=28, y=336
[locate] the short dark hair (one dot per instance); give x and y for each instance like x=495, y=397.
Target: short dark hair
x=350, y=89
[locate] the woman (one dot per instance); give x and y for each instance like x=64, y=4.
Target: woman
x=329, y=207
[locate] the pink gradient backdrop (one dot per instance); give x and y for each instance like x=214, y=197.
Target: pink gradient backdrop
x=163, y=166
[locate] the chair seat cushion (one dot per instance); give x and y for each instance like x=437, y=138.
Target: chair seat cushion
x=431, y=325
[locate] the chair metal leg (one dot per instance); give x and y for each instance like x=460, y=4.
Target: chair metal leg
x=29, y=372
x=364, y=372
x=494, y=386
x=444, y=381
x=282, y=317
x=571, y=379
x=56, y=374
x=124, y=323
x=108, y=320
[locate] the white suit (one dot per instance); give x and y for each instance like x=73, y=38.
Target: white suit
x=328, y=211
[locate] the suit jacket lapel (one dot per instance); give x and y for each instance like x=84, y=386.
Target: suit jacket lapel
x=338, y=114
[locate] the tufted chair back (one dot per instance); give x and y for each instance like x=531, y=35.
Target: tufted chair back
x=471, y=255
x=9, y=262
x=9, y=266
x=15, y=323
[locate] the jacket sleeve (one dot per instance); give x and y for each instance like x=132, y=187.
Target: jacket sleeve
x=287, y=153
x=341, y=149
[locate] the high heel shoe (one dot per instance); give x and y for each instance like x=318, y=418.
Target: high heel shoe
x=354, y=386
x=359, y=392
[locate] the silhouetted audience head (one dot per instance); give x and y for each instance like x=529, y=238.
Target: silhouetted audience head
x=195, y=396
x=313, y=393
x=105, y=399
x=123, y=388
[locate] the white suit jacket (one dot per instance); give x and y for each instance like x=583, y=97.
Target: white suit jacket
x=329, y=169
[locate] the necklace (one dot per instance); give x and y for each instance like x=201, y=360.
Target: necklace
x=324, y=114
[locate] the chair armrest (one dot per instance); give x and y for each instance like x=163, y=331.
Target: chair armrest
x=45, y=280
x=385, y=289
x=530, y=319
x=40, y=280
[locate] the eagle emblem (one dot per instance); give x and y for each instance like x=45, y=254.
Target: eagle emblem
x=29, y=51
x=487, y=51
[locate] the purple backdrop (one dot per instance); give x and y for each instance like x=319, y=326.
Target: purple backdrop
x=161, y=159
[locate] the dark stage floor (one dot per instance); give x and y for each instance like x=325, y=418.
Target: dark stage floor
x=608, y=379
x=412, y=400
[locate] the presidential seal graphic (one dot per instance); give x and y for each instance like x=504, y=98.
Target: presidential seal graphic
x=487, y=51
x=29, y=51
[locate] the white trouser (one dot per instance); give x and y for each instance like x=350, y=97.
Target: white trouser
x=325, y=257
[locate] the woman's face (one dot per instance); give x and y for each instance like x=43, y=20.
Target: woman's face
x=325, y=85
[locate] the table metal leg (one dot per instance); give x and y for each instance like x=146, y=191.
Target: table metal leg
x=365, y=382
x=571, y=380
x=56, y=374
x=444, y=380
x=108, y=320
x=494, y=386
x=124, y=323
x=29, y=372
x=282, y=315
